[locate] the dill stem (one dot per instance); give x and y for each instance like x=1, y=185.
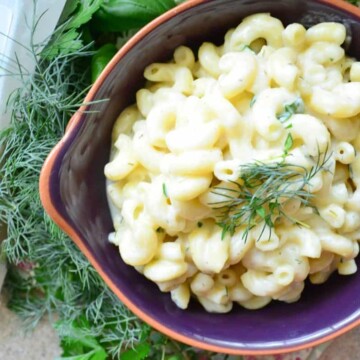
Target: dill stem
x=55, y=108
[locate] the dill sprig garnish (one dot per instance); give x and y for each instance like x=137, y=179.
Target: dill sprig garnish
x=262, y=191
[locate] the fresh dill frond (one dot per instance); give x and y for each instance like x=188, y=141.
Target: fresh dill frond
x=261, y=192
x=40, y=111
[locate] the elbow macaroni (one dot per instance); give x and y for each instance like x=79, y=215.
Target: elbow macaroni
x=179, y=151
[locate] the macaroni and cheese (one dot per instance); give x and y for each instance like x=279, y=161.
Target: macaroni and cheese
x=236, y=175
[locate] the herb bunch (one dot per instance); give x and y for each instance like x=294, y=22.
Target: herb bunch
x=47, y=273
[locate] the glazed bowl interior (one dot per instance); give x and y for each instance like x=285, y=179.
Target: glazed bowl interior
x=77, y=197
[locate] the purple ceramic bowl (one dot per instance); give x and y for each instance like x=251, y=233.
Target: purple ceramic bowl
x=72, y=188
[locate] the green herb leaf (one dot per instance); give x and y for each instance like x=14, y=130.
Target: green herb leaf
x=295, y=107
x=140, y=352
x=80, y=347
x=95, y=354
x=65, y=42
x=67, y=38
x=122, y=15
x=69, y=8
x=164, y=190
x=261, y=212
x=100, y=59
x=289, y=142
x=83, y=13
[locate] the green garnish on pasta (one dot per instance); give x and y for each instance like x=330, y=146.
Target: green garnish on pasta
x=262, y=191
x=295, y=107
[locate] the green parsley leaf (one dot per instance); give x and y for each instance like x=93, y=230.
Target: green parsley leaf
x=69, y=8
x=66, y=38
x=84, y=13
x=96, y=354
x=80, y=347
x=140, y=352
x=64, y=43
